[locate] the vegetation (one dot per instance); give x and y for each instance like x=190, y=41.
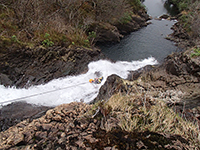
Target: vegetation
x=47, y=41
x=196, y=52
x=65, y=21
x=140, y=113
x=190, y=18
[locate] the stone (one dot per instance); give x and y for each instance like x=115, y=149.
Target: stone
x=4, y=80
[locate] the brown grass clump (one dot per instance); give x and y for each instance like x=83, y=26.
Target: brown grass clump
x=138, y=114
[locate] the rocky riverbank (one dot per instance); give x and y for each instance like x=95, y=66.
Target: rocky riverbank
x=176, y=82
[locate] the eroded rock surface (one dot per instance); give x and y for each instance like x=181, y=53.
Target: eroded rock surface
x=22, y=68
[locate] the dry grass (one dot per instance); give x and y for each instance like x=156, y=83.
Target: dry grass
x=154, y=116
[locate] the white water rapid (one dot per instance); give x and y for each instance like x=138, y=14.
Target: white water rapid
x=72, y=88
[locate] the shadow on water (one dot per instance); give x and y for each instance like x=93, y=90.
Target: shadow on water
x=171, y=9
x=158, y=7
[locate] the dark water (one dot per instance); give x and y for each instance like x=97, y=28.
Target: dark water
x=146, y=42
x=156, y=8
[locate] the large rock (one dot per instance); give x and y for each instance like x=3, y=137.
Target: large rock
x=105, y=33
x=113, y=85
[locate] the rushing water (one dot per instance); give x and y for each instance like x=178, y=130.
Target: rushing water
x=135, y=51
x=148, y=41
x=72, y=88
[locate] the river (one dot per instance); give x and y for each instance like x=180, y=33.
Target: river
x=147, y=46
x=148, y=41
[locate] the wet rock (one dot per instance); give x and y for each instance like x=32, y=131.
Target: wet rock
x=134, y=75
x=4, y=80
x=179, y=32
x=113, y=84
x=164, y=16
x=127, y=28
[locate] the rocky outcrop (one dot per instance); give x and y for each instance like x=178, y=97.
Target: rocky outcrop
x=105, y=33
x=135, y=24
x=22, y=68
x=181, y=37
x=112, y=33
x=112, y=86
x=179, y=72
x=71, y=126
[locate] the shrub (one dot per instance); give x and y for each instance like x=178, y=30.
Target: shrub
x=47, y=42
x=126, y=18
x=196, y=52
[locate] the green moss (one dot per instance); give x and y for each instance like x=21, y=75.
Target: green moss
x=196, y=52
x=136, y=4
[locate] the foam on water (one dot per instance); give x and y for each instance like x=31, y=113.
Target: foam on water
x=72, y=88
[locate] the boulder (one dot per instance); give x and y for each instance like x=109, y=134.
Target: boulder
x=127, y=28
x=105, y=33
x=164, y=16
x=4, y=80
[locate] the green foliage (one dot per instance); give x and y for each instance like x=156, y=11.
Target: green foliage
x=87, y=43
x=47, y=35
x=14, y=38
x=126, y=18
x=92, y=35
x=197, y=52
x=47, y=42
x=182, y=6
x=186, y=21
x=136, y=4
